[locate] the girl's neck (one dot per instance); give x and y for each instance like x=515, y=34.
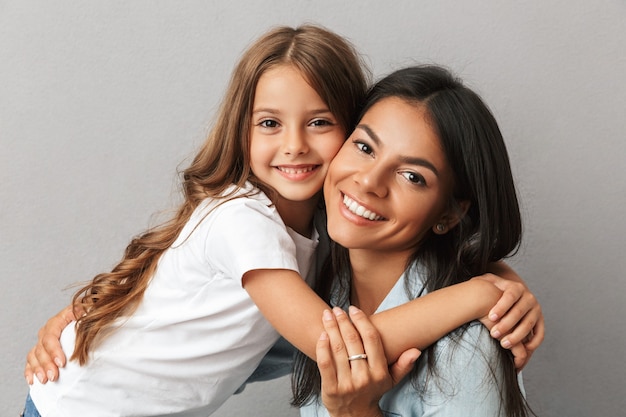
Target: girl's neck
x=298, y=215
x=373, y=275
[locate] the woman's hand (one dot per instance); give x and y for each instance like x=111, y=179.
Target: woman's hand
x=517, y=317
x=46, y=357
x=354, y=387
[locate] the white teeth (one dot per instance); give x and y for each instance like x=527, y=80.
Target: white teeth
x=296, y=170
x=359, y=210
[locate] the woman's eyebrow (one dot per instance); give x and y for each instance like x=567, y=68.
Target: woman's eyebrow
x=406, y=159
x=421, y=162
x=370, y=133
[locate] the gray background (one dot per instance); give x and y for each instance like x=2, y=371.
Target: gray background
x=101, y=102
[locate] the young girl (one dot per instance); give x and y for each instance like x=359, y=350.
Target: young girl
x=427, y=157
x=176, y=327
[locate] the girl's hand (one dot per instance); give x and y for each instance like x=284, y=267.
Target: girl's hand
x=46, y=357
x=517, y=319
x=354, y=387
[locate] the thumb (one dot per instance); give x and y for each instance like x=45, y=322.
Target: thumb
x=404, y=364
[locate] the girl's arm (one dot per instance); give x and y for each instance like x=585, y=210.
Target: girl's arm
x=294, y=310
x=47, y=356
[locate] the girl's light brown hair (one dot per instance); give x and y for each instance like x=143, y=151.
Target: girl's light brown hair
x=332, y=67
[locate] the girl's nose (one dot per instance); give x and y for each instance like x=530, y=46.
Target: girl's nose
x=295, y=142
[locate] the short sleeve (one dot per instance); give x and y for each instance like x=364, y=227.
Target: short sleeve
x=246, y=234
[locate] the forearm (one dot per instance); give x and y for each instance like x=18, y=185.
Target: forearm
x=289, y=304
x=418, y=323
x=421, y=322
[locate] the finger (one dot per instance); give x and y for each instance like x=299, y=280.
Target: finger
x=50, y=334
x=538, y=335
x=526, y=306
x=523, y=330
x=28, y=374
x=511, y=295
x=51, y=344
x=349, y=334
x=404, y=365
x=33, y=365
x=520, y=356
x=44, y=363
x=337, y=346
x=370, y=339
x=326, y=364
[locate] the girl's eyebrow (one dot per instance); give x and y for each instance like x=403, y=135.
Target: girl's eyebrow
x=265, y=110
x=276, y=111
x=405, y=159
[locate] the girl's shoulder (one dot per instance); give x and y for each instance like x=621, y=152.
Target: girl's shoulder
x=234, y=196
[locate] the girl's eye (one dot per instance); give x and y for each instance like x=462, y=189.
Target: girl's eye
x=321, y=122
x=414, y=178
x=363, y=147
x=269, y=123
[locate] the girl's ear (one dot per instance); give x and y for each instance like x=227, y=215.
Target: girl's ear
x=451, y=218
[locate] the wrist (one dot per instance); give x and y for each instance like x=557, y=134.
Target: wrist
x=485, y=295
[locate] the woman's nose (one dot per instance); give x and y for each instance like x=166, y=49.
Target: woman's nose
x=372, y=179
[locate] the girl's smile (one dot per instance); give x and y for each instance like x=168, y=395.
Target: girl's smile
x=294, y=136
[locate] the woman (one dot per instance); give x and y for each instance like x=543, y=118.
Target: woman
x=428, y=162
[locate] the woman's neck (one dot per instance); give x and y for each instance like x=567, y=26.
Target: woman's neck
x=373, y=275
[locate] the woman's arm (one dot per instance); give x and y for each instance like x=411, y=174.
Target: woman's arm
x=294, y=310
x=472, y=380
x=46, y=357
x=517, y=319
x=518, y=313
x=354, y=388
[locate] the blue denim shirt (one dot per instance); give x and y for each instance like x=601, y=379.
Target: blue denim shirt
x=464, y=385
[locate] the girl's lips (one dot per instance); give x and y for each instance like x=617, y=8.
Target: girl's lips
x=296, y=172
x=359, y=210
x=292, y=170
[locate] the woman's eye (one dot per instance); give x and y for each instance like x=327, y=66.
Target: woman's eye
x=414, y=178
x=268, y=123
x=363, y=147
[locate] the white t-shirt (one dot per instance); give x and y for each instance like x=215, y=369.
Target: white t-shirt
x=197, y=335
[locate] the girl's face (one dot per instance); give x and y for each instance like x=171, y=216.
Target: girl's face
x=294, y=135
x=390, y=182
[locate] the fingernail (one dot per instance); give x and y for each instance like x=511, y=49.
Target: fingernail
x=496, y=334
x=40, y=376
x=493, y=317
x=50, y=376
x=338, y=312
x=506, y=344
x=58, y=362
x=28, y=381
x=353, y=310
x=327, y=316
x=324, y=336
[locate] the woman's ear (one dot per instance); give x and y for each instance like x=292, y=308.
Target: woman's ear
x=451, y=218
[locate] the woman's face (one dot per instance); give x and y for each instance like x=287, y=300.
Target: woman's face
x=390, y=182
